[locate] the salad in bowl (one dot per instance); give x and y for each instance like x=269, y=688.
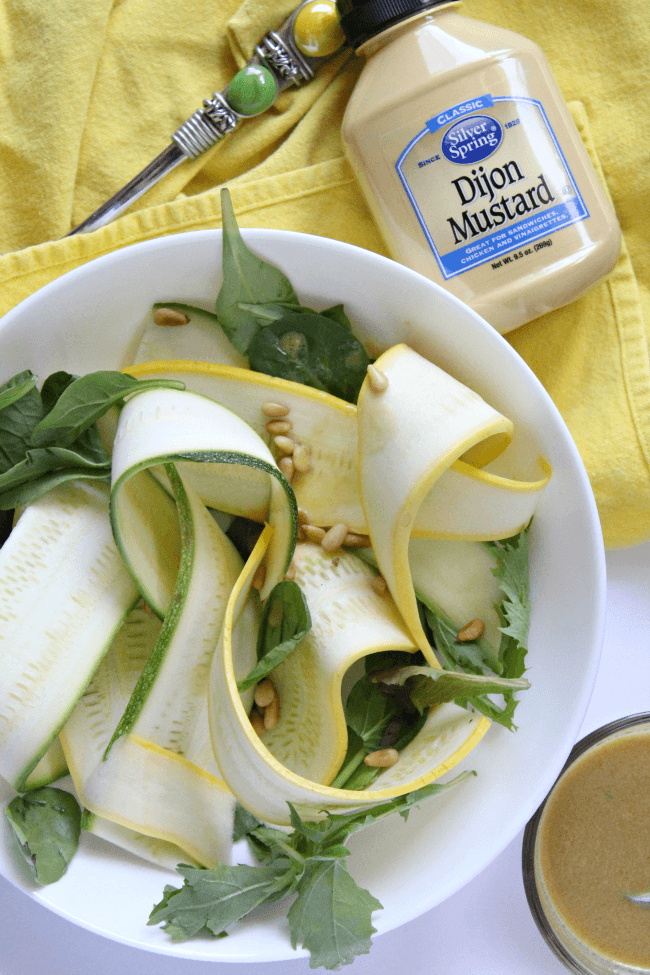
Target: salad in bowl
x=286, y=554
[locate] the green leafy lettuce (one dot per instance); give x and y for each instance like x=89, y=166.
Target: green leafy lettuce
x=331, y=915
x=47, y=823
x=50, y=437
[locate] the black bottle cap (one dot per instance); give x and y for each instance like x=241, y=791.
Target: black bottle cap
x=362, y=19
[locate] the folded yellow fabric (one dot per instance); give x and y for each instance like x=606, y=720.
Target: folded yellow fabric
x=93, y=89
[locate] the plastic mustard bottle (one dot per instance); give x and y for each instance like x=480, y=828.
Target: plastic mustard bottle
x=470, y=161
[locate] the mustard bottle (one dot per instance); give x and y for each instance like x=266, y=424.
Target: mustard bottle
x=470, y=161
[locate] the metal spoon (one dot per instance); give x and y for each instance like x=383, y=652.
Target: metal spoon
x=641, y=900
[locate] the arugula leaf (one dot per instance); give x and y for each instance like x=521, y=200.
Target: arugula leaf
x=312, y=349
x=212, y=900
x=429, y=687
x=83, y=401
x=331, y=915
x=47, y=824
x=474, y=656
x=285, y=621
x=511, y=557
x=244, y=823
x=247, y=279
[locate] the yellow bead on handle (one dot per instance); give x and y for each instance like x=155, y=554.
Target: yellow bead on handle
x=316, y=30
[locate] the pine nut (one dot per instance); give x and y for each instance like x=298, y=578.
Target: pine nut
x=379, y=586
x=285, y=444
x=300, y=534
x=383, y=758
x=259, y=577
x=257, y=722
x=290, y=574
x=352, y=540
x=378, y=380
x=333, y=538
x=286, y=466
x=264, y=693
x=304, y=518
x=272, y=714
x=275, y=409
x=169, y=316
x=313, y=533
x=471, y=631
x=279, y=426
x=301, y=459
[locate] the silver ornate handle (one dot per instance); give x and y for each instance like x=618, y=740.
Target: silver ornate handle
x=278, y=52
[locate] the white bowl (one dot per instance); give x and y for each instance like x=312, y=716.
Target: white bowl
x=91, y=319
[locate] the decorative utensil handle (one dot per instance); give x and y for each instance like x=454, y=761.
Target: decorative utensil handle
x=287, y=57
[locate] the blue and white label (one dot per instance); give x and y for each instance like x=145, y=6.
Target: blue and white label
x=487, y=177
x=459, y=111
x=472, y=140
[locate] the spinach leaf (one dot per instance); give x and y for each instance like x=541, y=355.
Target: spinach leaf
x=47, y=824
x=18, y=419
x=247, y=279
x=285, y=621
x=377, y=716
x=368, y=711
x=314, y=350
x=16, y=388
x=82, y=402
x=53, y=387
x=269, y=312
x=50, y=437
x=32, y=490
x=337, y=314
x=272, y=311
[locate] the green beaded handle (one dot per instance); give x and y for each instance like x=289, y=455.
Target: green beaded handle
x=289, y=56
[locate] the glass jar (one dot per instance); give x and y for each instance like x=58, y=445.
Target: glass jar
x=561, y=927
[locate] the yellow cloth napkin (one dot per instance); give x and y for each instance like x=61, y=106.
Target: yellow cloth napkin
x=92, y=90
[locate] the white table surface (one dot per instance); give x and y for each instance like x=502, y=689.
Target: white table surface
x=484, y=929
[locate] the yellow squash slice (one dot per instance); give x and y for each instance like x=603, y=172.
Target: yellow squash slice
x=261, y=782
x=409, y=436
x=466, y=502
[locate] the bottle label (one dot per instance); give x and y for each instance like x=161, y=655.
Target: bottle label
x=489, y=182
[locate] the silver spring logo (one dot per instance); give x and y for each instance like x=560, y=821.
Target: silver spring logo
x=472, y=139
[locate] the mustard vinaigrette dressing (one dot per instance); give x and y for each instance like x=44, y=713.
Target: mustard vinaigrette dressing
x=588, y=846
x=594, y=844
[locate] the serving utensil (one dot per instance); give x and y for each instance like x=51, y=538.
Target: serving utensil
x=290, y=56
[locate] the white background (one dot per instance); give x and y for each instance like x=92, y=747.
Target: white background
x=484, y=929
